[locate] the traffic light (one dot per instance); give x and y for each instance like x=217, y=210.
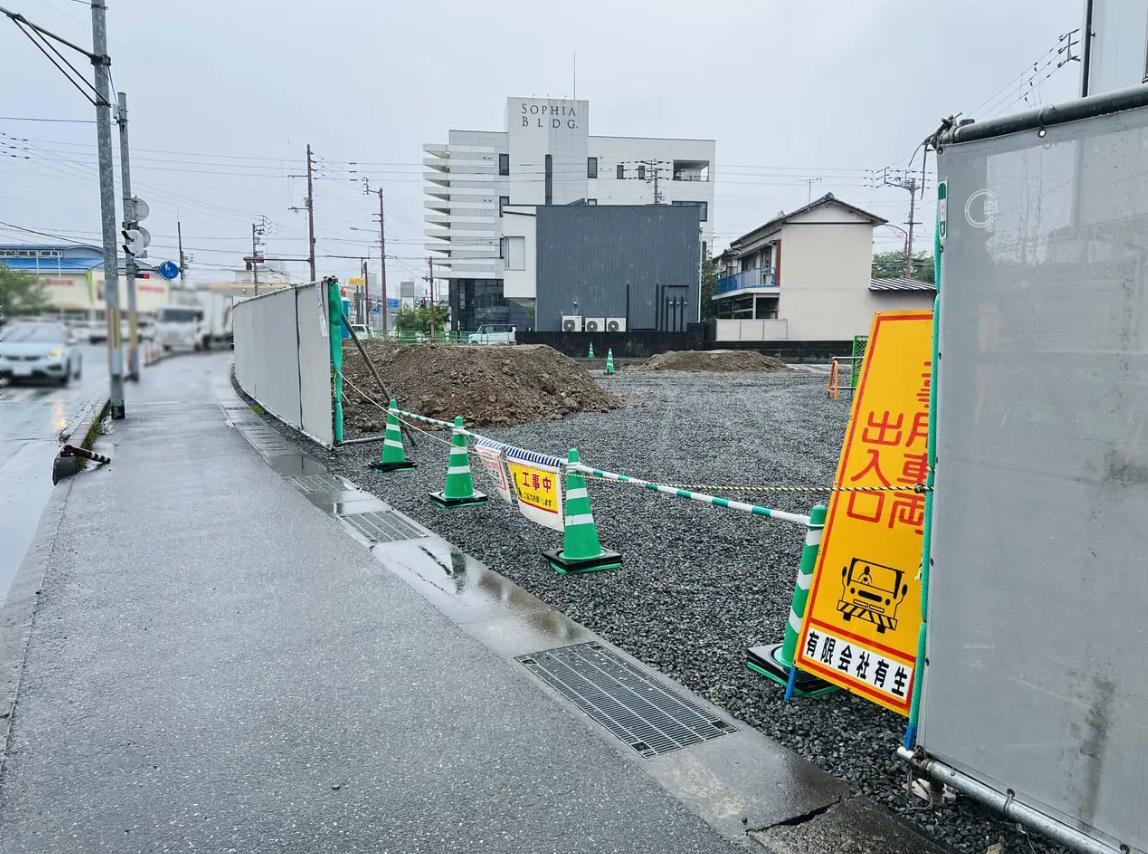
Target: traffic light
x=136, y=238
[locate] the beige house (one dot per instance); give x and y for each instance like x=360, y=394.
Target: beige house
x=807, y=276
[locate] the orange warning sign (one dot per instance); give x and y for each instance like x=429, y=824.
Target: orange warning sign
x=864, y=610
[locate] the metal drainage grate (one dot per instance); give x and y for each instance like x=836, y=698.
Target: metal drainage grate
x=266, y=440
x=312, y=484
x=640, y=711
x=382, y=526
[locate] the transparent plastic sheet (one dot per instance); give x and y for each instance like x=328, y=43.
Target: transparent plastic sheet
x=1037, y=677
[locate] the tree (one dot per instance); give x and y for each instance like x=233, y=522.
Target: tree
x=709, y=284
x=418, y=319
x=887, y=265
x=21, y=293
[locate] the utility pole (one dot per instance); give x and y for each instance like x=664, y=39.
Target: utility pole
x=430, y=280
x=101, y=63
x=255, y=256
x=912, y=188
x=182, y=262
x=309, y=206
x=809, y=182
x=651, y=171
x=130, y=222
x=310, y=214
x=382, y=264
x=258, y=229
x=905, y=182
x=365, y=305
x=382, y=253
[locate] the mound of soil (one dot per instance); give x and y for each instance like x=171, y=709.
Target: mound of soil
x=711, y=360
x=485, y=385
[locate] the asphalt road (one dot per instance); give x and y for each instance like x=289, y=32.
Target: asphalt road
x=32, y=418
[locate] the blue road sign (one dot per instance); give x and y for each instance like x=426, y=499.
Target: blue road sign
x=169, y=269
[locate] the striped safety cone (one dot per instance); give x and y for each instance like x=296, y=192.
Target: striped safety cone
x=610, y=361
x=394, y=457
x=775, y=662
x=590, y=355
x=459, y=490
x=581, y=550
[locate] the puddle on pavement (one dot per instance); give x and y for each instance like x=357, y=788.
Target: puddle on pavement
x=489, y=606
x=296, y=464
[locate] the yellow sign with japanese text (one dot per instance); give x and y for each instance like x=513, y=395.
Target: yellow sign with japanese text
x=538, y=487
x=863, y=614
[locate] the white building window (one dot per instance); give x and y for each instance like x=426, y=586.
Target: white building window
x=503, y=201
x=504, y=164
x=591, y=167
x=621, y=171
x=514, y=251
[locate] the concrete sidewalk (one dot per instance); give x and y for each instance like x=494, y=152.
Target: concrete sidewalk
x=216, y=664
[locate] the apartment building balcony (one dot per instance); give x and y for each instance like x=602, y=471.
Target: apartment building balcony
x=758, y=280
x=691, y=170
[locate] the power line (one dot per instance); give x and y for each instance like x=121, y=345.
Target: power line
x=44, y=119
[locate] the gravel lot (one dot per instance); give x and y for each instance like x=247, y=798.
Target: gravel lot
x=700, y=584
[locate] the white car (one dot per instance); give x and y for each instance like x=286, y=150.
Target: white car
x=492, y=333
x=39, y=350
x=362, y=331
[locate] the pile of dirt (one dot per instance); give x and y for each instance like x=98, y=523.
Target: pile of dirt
x=711, y=360
x=485, y=385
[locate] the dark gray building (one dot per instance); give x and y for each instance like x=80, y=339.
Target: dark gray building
x=638, y=262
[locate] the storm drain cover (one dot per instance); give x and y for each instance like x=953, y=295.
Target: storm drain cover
x=649, y=717
x=266, y=440
x=382, y=526
x=312, y=484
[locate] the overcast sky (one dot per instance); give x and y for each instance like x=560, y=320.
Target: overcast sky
x=225, y=94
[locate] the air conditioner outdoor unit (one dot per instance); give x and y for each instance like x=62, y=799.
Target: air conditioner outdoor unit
x=615, y=324
x=571, y=323
x=595, y=324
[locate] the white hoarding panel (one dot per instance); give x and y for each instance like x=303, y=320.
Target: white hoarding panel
x=282, y=359
x=1036, y=678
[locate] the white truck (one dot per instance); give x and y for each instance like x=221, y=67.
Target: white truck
x=200, y=320
x=216, y=328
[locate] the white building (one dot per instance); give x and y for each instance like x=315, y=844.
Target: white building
x=545, y=156
x=807, y=276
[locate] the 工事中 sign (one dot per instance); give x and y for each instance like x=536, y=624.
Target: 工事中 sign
x=537, y=485
x=864, y=609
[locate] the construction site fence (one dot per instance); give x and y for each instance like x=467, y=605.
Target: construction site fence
x=665, y=489
x=282, y=357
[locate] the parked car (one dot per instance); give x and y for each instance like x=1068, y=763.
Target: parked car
x=362, y=331
x=492, y=333
x=39, y=350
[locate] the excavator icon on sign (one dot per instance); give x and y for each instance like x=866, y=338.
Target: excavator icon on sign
x=871, y=592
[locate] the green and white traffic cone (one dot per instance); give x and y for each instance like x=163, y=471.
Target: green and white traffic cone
x=775, y=661
x=581, y=550
x=610, y=361
x=459, y=490
x=590, y=355
x=394, y=457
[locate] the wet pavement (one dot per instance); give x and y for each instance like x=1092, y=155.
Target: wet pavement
x=32, y=419
x=216, y=665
